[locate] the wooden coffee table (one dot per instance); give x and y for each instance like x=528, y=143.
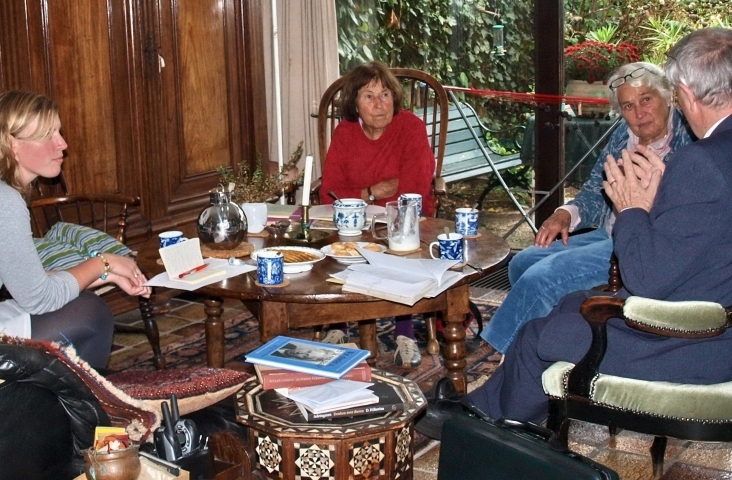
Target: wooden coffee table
x=310, y=301
x=368, y=447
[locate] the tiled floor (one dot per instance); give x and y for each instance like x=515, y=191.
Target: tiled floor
x=627, y=453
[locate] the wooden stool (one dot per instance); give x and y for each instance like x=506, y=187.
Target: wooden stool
x=287, y=447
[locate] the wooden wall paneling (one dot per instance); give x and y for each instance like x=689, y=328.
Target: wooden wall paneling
x=254, y=101
x=206, y=121
x=23, y=43
x=82, y=78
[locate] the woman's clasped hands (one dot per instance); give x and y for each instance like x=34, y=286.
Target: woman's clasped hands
x=632, y=181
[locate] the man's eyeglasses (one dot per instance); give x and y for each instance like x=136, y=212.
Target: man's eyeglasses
x=620, y=81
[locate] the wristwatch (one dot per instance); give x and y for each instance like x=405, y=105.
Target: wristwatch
x=372, y=198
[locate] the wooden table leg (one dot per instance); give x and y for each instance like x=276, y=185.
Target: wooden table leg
x=454, y=333
x=367, y=334
x=214, y=332
x=274, y=319
x=151, y=331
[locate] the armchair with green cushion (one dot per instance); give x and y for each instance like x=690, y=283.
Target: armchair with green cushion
x=661, y=409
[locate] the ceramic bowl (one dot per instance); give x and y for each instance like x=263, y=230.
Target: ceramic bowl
x=349, y=216
x=119, y=465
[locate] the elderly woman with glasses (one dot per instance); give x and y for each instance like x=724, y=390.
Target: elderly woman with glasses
x=558, y=263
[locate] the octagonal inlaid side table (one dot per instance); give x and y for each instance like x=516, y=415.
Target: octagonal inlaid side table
x=373, y=447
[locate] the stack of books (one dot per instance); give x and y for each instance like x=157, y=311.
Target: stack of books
x=325, y=381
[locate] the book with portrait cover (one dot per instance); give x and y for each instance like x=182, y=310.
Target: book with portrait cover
x=271, y=377
x=326, y=360
x=390, y=400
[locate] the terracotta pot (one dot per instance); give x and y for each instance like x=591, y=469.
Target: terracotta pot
x=119, y=465
x=580, y=88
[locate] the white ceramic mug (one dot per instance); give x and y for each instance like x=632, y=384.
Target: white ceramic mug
x=256, y=216
x=170, y=237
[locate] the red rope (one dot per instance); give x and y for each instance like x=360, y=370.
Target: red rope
x=534, y=98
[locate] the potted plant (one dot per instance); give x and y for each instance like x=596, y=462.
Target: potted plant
x=253, y=189
x=587, y=66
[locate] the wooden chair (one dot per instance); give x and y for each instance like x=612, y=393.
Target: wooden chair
x=425, y=96
x=661, y=409
x=107, y=213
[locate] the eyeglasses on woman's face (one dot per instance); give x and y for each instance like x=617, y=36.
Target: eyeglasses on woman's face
x=620, y=81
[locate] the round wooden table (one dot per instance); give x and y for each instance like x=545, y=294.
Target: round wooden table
x=311, y=301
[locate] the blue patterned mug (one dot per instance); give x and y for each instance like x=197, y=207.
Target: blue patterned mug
x=451, y=246
x=466, y=221
x=170, y=238
x=270, y=267
x=349, y=216
x=413, y=197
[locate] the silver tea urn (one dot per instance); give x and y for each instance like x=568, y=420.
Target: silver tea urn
x=222, y=225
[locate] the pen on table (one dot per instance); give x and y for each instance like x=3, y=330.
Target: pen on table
x=193, y=270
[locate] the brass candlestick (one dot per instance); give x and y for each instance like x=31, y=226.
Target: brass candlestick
x=305, y=221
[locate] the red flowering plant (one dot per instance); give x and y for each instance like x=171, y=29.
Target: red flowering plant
x=595, y=61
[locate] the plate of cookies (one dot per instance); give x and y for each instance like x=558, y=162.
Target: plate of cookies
x=296, y=259
x=346, y=253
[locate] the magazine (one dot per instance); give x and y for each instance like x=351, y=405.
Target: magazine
x=332, y=361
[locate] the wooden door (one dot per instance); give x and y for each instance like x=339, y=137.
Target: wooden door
x=154, y=95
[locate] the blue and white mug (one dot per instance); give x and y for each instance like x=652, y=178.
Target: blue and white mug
x=451, y=247
x=170, y=238
x=413, y=197
x=349, y=216
x=466, y=221
x=270, y=267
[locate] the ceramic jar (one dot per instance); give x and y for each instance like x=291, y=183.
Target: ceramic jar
x=222, y=225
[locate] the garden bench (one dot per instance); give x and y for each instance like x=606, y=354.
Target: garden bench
x=464, y=157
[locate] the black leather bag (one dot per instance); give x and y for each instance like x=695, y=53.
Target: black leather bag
x=476, y=447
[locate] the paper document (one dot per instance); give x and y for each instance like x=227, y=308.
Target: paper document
x=333, y=395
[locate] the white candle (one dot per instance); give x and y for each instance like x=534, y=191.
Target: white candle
x=307, y=180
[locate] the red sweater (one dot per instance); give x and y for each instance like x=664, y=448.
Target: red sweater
x=355, y=162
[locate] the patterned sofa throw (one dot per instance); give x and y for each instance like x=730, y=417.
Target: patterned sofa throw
x=68, y=244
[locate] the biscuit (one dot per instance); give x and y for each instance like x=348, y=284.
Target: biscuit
x=348, y=249
x=297, y=256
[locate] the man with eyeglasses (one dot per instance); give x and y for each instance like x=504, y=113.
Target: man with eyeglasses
x=558, y=264
x=672, y=243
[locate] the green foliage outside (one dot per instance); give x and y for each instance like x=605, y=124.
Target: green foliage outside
x=453, y=39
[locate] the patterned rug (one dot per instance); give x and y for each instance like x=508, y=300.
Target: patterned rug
x=186, y=346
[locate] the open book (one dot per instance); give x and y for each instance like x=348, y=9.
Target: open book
x=398, y=279
x=184, y=262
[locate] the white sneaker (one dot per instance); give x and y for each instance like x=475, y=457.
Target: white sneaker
x=407, y=353
x=335, y=336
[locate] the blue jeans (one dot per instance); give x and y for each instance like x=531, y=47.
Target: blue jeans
x=541, y=276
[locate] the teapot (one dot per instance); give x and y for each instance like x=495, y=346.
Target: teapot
x=223, y=224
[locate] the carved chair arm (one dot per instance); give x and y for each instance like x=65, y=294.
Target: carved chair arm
x=596, y=311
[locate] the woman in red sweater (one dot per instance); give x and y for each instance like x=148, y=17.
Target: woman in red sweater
x=377, y=153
